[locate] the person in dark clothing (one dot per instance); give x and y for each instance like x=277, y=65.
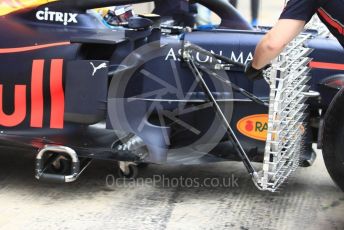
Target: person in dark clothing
x=254, y=10
x=291, y=22
x=181, y=11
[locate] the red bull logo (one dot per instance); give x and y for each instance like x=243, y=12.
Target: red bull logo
x=37, y=102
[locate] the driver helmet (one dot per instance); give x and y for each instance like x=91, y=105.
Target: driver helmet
x=119, y=15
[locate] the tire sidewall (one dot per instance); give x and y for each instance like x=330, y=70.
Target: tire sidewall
x=333, y=139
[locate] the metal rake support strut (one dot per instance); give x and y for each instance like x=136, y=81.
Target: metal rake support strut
x=236, y=88
x=188, y=48
x=288, y=78
x=231, y=135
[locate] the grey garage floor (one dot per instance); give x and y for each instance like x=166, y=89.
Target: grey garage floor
x=309, y=201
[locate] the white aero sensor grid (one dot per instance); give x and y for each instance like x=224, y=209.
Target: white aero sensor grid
x=288, y=78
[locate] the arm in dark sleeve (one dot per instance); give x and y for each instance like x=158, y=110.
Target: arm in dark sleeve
x=300, y=10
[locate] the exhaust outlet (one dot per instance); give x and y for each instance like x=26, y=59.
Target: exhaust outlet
x=56, y=178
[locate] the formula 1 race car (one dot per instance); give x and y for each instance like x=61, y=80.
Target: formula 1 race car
x=74, y=89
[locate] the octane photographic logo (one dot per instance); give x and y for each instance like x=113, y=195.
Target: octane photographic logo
x=166, y=181
x=52, y=16
x=161, y=102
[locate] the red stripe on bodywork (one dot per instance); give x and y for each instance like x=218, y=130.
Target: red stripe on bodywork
x=19, y=112
x=30, y=48
x=335, y=24
x=37, y=94
x=326, y=65
x=57, y=94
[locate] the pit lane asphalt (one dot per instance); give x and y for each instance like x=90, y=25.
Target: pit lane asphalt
x=309, y=201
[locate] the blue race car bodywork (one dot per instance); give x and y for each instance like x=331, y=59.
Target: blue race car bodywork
x=68, y=80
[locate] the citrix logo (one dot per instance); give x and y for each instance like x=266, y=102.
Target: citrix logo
x=53, y=16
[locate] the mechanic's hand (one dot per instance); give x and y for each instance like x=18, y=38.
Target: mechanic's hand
x=252, y=73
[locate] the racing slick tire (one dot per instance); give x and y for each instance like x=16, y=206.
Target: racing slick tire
x=333, y=139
